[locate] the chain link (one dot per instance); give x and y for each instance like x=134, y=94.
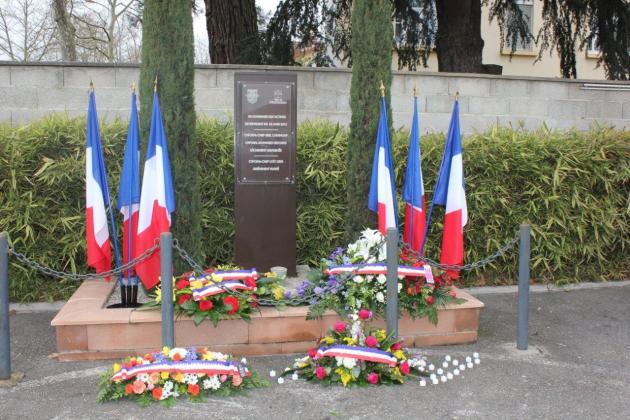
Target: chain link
x=466, y=267
x=198, y=269
x=30, y=263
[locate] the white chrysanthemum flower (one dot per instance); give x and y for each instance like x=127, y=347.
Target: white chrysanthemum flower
x=272, y=373
x=190, y=378
x=168, y=385
x=382, y=278
x=399, y=287
x=182, y=352
x=244, y=361
x=380, y=297
x=144, y=377
x=294, y=376
x=358, y=279
x=212, y=382
x=369, y=278
x=280, y=380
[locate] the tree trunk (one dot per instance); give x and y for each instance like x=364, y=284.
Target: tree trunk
x=459, y=44
x=232, y=31
x=67, y=31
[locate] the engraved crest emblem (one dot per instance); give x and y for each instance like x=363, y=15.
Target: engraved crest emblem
x=277, y=95
x=252, y=96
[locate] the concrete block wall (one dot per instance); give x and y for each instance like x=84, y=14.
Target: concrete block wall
x=31, y=91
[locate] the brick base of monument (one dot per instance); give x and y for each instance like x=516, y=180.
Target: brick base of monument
x=86, y=330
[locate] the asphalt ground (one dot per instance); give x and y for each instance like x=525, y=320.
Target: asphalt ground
x=577, y=367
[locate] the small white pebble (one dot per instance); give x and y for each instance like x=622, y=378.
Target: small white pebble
x=456, y=372
x=423, y=382
x=431, y=367
x=468, y=359
x=272, y=373
x=449, y=375
x=443, y=378
x=440, y=371
x=445, y=364
x=469, y=365
x=477, y=361
x=455, y=362
x=476, y=355
x=280, y=381
x=447, y=358
x=294, y=376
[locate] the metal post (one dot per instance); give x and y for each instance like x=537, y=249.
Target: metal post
x=523, y=287
x=166, y=272
x=392, y=282
x=5, y=341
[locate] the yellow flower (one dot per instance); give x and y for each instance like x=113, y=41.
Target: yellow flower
x=208, y=356
x=179, y=377
x=115, y=367
x=327, y=340
x=166, y=350
x=396, y=372
x=164, y=375
x=278, y=293
x=350, y=341
x=398, y=354
x=270, y=274
x=158, y=295
x=196, y=284
x=301, y=365
x=380, y=335
x=345, y=375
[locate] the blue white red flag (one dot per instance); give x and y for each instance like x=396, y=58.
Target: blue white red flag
x=129, y=189
x=413, y=189
x=449, y=192
x=99, y=253
x=382, y=197
x=157, y=200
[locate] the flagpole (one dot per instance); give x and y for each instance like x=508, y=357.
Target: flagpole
x=426, y=227
x=415, y=111
x=134, y=298
x=109, y=204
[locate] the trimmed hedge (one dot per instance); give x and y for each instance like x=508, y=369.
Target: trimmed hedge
x=574, y=187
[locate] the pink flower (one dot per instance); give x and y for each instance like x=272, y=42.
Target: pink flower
x=139, y=387
x=396, y=346
x=154, y=377
x=340, y=327
x=365, y=314
x=150, y=387
x=320, y=372
x=371, y=341
x=373, y=378
x=223, y=378
x=312, y=353
x=404, y=368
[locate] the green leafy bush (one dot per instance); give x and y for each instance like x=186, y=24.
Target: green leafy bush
x=574, y=187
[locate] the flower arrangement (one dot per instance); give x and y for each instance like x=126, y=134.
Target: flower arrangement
x=164, y=376
x=354, y=278
x=352, y=354
x=220, y=294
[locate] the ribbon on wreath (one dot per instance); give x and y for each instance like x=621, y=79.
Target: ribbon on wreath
x=376, y=269
x=361, y=353
x=218, y=288
x=209, y=367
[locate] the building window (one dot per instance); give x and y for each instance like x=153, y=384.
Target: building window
x=593, y=46
x=400, y=28
x=527, y=9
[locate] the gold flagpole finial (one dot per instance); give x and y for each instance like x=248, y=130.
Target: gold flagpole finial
x=414, y=90
x=133, y=87
x=382, y=89
x=91, y=86
x=457, y=95
x=155, y=84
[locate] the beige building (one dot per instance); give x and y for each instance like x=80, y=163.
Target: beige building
x=523, y=62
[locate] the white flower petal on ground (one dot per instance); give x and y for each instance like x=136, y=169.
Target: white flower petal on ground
x=280, y=381
x=469, y=365
x=447, y=358
x=440, y=371
x=272, y=373
x=476, y=355
x=455, y=362
x=294, y=377
x=456, y=372
x=449, y=375
x=477, y=361
x=443, y=378
x=423, y=382
x=445, y=364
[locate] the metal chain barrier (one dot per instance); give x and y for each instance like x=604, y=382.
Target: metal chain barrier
x=30, y=263
x=197, y=268
x=466, y=267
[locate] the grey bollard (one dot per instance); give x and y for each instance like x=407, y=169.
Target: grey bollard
x=166, y=273
x=523, y=287
x=5, y=340
x=392, y=282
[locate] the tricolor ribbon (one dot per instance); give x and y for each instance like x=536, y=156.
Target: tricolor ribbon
x=361, y=353
x=209, y=367
x=236, y=274
x=375, y=269
x=218, y=288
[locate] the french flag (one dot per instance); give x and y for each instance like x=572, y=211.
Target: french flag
x=449, y=192
x=129, y=190
x=99, y=253
x=382, y=197
x=413, y=190
x=157, y=200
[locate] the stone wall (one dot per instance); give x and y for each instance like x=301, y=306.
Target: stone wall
x=31, y=91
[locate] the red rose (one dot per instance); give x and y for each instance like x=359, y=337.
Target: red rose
x=254, y=303
x=312, y=353
x=429, y=300
x=340, y=327
x=193, y=389
x=320, y=372
x=372, y=378
x=410, y=291
x=182, y=284
x=365, y=314
x=371, y=341
x=183, y=299
x=452, y=292
x=232, y=302
x=157, y=393
x=128, y=389
x=396, y=346
x=250, y=282
x=206, y=305
x=148, y=357
x=404, y=368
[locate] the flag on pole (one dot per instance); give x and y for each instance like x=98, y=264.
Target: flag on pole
x=157, y=200
x=413, y=190
x=449, y=192
x=129, y=189
x=99, y=253
x=382, y=197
